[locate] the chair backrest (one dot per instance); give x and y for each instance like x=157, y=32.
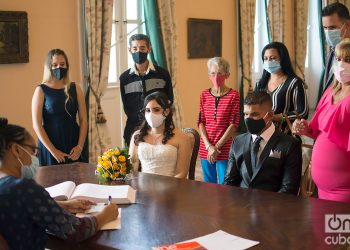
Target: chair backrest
x=193, y=134
x=3, y=243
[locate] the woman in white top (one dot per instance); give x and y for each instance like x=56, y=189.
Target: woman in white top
x=158, y=145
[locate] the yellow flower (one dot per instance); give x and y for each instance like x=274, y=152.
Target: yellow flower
x=115, y=175
x=116, y=152
x=107, y=164
x=106, y=174
x=123, y=164
x=123, y=171
x=121, y=158
x=114, y=159
x=115, y=166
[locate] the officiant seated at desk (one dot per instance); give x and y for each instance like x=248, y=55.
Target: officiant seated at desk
x=264, y=158
x=27, y=211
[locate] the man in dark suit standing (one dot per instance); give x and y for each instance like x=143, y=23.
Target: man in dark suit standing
x=264, y=158
x=336, y=26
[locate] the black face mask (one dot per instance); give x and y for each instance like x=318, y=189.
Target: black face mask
x=254, y=126
x=59, y=73
x=139, y=57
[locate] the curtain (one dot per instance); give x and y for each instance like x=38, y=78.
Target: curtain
x=276, y=13
x=246, y=25
x=154, y=32
x=167, y=23
x=160, y=19
x=277, y=24
x=345, y=2
x=323, y=50
x=301, y=23
x=98, y=25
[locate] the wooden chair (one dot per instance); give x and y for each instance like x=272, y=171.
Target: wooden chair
x=3, y=243
x=194, y=136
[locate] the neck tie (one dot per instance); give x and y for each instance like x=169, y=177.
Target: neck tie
x=255, y=150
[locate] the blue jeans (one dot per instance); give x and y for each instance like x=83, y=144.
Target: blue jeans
x=215, y=172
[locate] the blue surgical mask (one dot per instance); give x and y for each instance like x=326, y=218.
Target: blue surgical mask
x=333, y=37
x=29, y=171
x=272, y=66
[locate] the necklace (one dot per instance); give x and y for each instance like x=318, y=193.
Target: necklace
x=272, y=85
x=155, y=137
x=218, y=93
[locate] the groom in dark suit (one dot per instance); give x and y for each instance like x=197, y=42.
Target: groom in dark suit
x=263, y=158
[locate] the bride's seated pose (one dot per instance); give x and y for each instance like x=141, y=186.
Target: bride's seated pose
x=158, y=145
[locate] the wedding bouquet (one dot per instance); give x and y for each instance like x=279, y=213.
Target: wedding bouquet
x=114, y=164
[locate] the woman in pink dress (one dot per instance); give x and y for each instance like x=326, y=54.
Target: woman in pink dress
x=330, y=127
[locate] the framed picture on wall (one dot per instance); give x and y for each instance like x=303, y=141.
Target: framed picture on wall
x=13, y=37
x=204, y=38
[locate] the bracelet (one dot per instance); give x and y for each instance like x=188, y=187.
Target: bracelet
x=283, y=118
x=208, y=146
x=79, y=147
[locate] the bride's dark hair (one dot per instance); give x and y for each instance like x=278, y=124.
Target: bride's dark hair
x=164, y=102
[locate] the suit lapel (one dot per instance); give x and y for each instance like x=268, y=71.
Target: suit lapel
x=328, y=77
x=247, y=155
x=266, y=151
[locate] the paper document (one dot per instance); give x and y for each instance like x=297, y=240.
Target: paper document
x=221, y=240
x=114, y=224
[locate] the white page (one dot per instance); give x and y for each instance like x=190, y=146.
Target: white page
x=121, y=194
x=95, y=208
x=61, y=191
x=221, y=240
x=114, y=224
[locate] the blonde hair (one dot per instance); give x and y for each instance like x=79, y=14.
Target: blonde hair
x=220, y=62
x=48, y=76
x=342, y=50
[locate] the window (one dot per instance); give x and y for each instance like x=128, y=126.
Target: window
x=313, y=60
x=127, y=20
x=261, y=38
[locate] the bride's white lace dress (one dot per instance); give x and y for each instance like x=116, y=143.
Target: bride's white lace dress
x=157, y=159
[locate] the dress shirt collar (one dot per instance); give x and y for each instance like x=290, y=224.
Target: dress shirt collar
x=266, y=135
x=133, y=69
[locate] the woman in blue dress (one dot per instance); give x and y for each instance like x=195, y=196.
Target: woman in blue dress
x=27, y=212
x=55, y=105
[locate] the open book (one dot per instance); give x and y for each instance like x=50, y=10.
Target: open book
x=121, y=194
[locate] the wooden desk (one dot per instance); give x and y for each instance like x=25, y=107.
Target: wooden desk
x=169, y=210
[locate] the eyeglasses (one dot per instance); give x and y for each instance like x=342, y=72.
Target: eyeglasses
x=35, y=149
x=216, y=74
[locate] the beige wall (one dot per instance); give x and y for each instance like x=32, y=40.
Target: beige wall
x=51, y=24
x=55, y=24
x=192, y=76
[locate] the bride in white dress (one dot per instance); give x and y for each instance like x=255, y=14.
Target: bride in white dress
x=158, y=145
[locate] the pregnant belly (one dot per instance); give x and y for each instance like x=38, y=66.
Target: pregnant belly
x=330, y=165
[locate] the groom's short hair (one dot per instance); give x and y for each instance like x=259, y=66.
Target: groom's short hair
x=258, y=97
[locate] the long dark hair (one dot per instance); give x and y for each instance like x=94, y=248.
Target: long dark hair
x=163, y=101
x=286, y=64
x=9, y=134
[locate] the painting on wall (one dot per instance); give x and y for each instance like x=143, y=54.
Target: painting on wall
x=204, y=38
x=13, y=37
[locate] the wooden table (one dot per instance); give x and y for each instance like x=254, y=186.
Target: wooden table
x=170, y=210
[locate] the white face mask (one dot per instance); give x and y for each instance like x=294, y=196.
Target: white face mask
x=154, y=120
x=29, y=171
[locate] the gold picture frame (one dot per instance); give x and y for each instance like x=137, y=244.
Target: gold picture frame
x=13, y=37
